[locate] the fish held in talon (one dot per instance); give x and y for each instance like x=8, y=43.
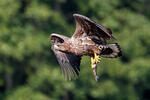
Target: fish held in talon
x=89, y=39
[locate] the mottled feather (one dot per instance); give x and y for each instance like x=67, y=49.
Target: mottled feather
x=87, y=27
x=69, y=63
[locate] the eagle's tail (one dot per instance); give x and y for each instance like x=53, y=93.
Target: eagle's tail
x=111, y=50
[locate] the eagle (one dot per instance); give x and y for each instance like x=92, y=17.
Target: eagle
x=89, y=39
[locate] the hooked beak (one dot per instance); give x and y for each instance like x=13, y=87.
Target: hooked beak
x=56, y=47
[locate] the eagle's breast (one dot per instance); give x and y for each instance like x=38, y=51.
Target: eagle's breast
x=82, y=46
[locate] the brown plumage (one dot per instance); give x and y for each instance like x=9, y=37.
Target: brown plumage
x=88, y=39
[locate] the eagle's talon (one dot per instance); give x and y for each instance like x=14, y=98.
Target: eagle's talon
x=94, y=61
x=97, y=58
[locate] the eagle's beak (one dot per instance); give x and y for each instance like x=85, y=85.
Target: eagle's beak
x=56, y=47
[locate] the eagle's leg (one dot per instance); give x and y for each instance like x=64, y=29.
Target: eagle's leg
x=94, y=63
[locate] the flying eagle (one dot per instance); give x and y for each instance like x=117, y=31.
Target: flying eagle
x=89, y=39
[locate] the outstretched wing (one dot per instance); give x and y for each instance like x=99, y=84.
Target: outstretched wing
x=69, y=63
x=87, y=27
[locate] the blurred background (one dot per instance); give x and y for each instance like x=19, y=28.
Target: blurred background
x=29, y=69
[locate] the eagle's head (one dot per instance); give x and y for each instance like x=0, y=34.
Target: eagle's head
x=60, y=42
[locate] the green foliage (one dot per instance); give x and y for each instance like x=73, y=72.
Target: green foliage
x=29, y=69
x=25, y=93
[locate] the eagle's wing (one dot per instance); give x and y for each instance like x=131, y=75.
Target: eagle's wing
x=87, y=27
x=69, y=63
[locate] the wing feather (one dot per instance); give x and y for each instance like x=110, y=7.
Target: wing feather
x=69, y=63
x=87, y=27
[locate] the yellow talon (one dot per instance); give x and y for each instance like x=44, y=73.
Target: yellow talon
x=97, y=58
x=94, y=62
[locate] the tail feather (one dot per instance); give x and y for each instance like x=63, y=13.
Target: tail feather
x=111, y=51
